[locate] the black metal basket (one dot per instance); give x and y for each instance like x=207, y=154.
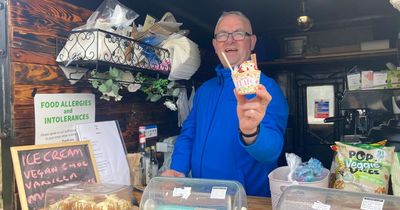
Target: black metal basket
x=99, y=49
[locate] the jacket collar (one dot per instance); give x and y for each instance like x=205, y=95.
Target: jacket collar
x=223, y=74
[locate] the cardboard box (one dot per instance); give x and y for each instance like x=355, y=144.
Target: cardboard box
x=380, y=78
x=375, y=45
x=367, y=79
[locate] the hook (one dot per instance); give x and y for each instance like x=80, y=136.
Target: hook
x=34, y=91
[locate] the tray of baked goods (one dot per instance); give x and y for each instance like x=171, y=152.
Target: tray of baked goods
x=77, y=196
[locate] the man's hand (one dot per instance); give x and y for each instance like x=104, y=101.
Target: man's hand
x=173, y=173
x=251, y=112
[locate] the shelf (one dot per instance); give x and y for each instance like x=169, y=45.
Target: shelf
x=98, y=49
x=375, y=99
x=334, y=57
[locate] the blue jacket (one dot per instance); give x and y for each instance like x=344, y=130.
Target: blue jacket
x=210, y=146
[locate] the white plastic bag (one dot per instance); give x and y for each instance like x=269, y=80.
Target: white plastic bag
x=293, y=162
x=111, y=16
x=183, y=106
x=191, y=98
x=185, y=56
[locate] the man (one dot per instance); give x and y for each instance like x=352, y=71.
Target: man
x=227, y=135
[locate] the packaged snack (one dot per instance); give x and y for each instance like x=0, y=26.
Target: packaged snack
x=363, y=167
x=246, y=77
x=332, y=176
x=396, y=174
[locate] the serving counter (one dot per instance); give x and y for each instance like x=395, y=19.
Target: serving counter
x=253, y=202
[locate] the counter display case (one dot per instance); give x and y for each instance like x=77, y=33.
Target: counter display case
x=168, y=193
x=299, y=197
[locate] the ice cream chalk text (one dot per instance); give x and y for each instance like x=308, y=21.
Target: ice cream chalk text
x=49, y=167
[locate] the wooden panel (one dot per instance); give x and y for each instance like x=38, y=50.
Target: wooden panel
x=24, y=136
x=31, y=74
x=47, y=16
x=23, y=94
x=23, y=112
x=23, y=56
x=25, y=123
x=34, y=41
x=34, y=27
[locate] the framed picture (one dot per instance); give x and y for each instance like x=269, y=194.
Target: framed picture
x=294, y=47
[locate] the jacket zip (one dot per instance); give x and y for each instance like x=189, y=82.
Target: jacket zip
x=221, y=83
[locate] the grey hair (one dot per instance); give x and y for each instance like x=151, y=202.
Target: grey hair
x=238, y=13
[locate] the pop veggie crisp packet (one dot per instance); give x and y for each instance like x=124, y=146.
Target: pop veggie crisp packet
x=396, y=174
x=363, y=167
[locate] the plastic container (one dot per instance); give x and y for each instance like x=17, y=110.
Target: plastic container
x=171, y=193
x=300, y=197
x=278, y=181
x=77, y=196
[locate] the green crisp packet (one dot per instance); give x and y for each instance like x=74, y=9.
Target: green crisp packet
x=396, y=174
x=363, y=167
x=393, y=78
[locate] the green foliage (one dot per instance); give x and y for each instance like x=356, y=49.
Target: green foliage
x=109, y=83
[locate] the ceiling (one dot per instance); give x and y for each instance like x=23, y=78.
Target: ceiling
x=266, y=15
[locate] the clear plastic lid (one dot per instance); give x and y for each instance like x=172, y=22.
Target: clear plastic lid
x=300, y=197
x=89, y=196
x=172, y=193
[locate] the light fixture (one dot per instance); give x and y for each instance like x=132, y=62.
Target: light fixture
x=304, y=22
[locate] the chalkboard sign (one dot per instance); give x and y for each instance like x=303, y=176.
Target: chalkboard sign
x=39, y=167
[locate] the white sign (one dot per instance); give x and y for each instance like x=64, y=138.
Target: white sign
x=369, y=203
x=218, y=192
x=57, y=114
x=108, y=149
x=182, y=192
x=320, y=206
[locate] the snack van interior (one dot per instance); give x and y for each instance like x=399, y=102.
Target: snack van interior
x=338, y=69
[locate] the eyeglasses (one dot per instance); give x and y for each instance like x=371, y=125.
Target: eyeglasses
x=237, y=36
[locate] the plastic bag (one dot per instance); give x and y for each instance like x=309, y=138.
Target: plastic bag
x=309, y=171
x=293, y=162
x=163, y=28
x=185, y=57
x=191, y=98
x=170, y=142
x=111, y=16
x=183, y=106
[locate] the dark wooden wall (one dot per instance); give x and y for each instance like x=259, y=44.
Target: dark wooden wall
x=34, y=26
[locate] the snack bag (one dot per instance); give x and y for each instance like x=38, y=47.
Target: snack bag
x=246, y=77
x=396, y=174
x=332, y=175
x=363, y=167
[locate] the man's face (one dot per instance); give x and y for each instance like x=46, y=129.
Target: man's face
x=236, y=51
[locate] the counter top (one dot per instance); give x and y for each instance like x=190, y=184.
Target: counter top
x=253, y=202
x=258, y=203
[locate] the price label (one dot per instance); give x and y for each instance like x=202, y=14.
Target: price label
x=151, y=131
x=320, y=206
x=218, y=193
x=182, y=192
x=372, y=203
